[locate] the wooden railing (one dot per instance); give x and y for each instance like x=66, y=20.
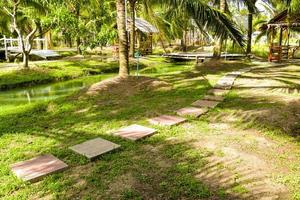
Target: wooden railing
x=15, y=44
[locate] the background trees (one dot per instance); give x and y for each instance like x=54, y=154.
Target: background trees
x=24, y=16
x=92, y=23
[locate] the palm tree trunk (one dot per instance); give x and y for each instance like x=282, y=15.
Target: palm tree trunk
x=123, y=39
x=132, y=28
x=250, y=30
x=218, y=45
x=78, y=42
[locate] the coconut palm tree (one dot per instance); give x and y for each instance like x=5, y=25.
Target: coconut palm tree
x=203, y=15
x=219, y=42
x=132, y=4
x=123, y=39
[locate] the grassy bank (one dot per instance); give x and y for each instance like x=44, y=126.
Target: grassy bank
x=45, y=72
x=54, y=71
x=177, y=163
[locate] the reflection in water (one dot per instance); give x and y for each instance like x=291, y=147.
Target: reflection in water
x=45, y=92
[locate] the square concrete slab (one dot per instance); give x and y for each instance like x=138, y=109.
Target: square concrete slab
x=166, y=120
x=94, y=148
x=34, y=169
x=237, y=73
x=233, y=75
x=213, y=98
x=205, y=103
x=245, y=70
x=218, y=92
x=227, y=80
x=192, y=111
x=224, y=85
x=135, y=132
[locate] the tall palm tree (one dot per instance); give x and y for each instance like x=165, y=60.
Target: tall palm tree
x=203, y=15
x=251, y=11
x=123, y=39
x=219, y=42
x=132, y=4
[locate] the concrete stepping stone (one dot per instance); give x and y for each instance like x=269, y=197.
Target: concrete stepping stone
x=235, y=73
x=218, y=92
x=231, y=76
x=191, y=111
x=94, y=148
x=205, y=103
x=213, y=98
x=166, y=120
x=135, y=132
x=35, y=169
x=245, y=70
x=224, y=85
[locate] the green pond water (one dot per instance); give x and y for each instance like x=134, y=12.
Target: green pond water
x=47, y=92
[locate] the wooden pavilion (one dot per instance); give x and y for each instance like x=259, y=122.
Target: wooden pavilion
x=280, y=47
x=144, y=35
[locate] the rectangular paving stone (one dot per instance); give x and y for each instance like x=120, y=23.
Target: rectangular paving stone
x=235, y=73
x=224, y=85
x=192, y=111
x=205, y=103
x=218, y=92
x=166, y=120
x=135, y=132
x=244, y=70
x=94, y=148
x=231, y=76
x=34, y=169
x=213, y=98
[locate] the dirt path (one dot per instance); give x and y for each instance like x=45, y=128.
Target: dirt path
x=249, y=163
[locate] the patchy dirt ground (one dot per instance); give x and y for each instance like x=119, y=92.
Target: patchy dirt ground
x=255, y=137
x=126, y=86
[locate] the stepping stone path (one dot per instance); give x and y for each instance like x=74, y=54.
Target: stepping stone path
x=205, y=103
x=166, y=120
x=213, y=98
x=94, y=148
x=217, y=92
x=135, y=132
x=34, y=169
x=192, y=111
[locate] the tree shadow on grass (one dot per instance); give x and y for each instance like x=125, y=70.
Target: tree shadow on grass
x=159, y=168
x=262, y=113
x=152, y=169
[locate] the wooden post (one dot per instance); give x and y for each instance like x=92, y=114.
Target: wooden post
x=280, y=36
x=11, y=42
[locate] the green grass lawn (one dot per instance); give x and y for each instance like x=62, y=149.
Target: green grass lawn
x=164, y=166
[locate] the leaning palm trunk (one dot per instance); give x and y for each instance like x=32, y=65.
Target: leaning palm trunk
x=219, y=42
x=123, y=39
